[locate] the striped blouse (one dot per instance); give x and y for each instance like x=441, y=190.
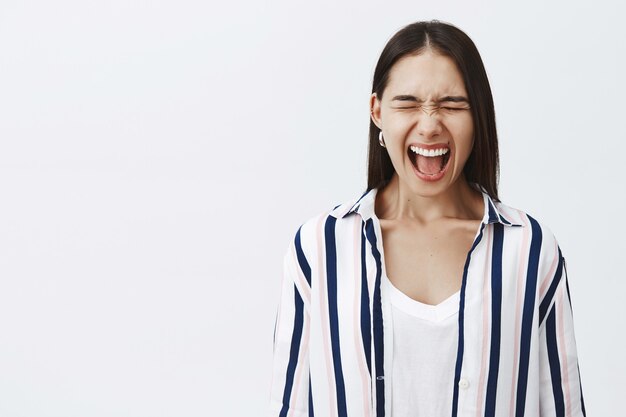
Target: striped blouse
x=333, y=344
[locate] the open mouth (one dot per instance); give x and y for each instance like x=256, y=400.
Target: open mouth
x=429, y=163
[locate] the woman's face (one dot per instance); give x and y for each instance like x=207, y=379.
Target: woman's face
x=425, y=104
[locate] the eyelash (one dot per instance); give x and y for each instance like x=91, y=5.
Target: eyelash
x=446, y=108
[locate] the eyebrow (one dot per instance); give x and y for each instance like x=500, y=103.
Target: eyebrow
x=408, y=97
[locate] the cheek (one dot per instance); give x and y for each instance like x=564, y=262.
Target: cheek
x=396, y=131
x=398, y=124
x=463, y=134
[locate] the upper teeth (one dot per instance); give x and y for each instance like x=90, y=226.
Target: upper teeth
x=429, y=152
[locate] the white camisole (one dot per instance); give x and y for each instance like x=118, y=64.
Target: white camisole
x=425, y=341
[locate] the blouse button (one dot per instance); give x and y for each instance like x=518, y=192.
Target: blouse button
x=463, y=383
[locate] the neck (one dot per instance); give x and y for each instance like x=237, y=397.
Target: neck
x=397, y=201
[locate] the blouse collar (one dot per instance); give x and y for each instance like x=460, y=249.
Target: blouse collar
x=365, y=207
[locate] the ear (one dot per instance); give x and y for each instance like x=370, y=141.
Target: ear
x=375, y=110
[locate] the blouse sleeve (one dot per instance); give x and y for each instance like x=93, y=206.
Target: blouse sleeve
x=289, y=392
x=560, y=383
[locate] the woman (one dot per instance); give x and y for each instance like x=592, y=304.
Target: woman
x=466, y=311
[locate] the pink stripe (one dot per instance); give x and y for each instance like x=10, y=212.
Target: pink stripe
x=486, y=303
x=521, y=278
x=546, y=281
x=358, y=342
x=563, y=350
x=510, y=213
x=325, y=321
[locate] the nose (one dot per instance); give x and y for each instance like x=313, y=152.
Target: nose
x=429, y=124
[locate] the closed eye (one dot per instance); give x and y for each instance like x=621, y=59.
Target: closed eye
x=445, y=108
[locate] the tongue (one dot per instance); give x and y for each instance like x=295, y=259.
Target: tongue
x=429, y=164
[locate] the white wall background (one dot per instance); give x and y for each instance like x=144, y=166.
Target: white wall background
x=157, y=157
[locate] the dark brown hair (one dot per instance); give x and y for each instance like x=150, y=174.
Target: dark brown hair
x=482, y=166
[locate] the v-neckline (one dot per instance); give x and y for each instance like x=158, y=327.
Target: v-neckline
x=432, y=313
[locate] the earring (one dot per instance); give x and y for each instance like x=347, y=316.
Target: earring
x=381, y=140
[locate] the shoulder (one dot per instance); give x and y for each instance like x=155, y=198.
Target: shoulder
x=314, y=230
x=536, y=241
x=333, y=213
x=535, y=224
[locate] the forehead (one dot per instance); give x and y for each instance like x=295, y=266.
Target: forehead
x=424, y=74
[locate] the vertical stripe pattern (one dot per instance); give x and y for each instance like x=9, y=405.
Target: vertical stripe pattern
x=555, y=366
x=496, y=307
x=331, y=274
x=516, y=351
x=293, y=352
x=366, y=324
x=528, y=317
x=377, y=322
x=461, y=341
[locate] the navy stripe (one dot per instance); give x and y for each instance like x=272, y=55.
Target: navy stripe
x=509, y=222
x=311, y=412
x=528, y=315
x=555, y=366
x=378, y=323
x=331, y=275
x=547, y=299
x=304, y=265
x=353, y=209
x=496, y=312
x=366, y=333
x=493, y=217
x=459, y=355
x=296, y=336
